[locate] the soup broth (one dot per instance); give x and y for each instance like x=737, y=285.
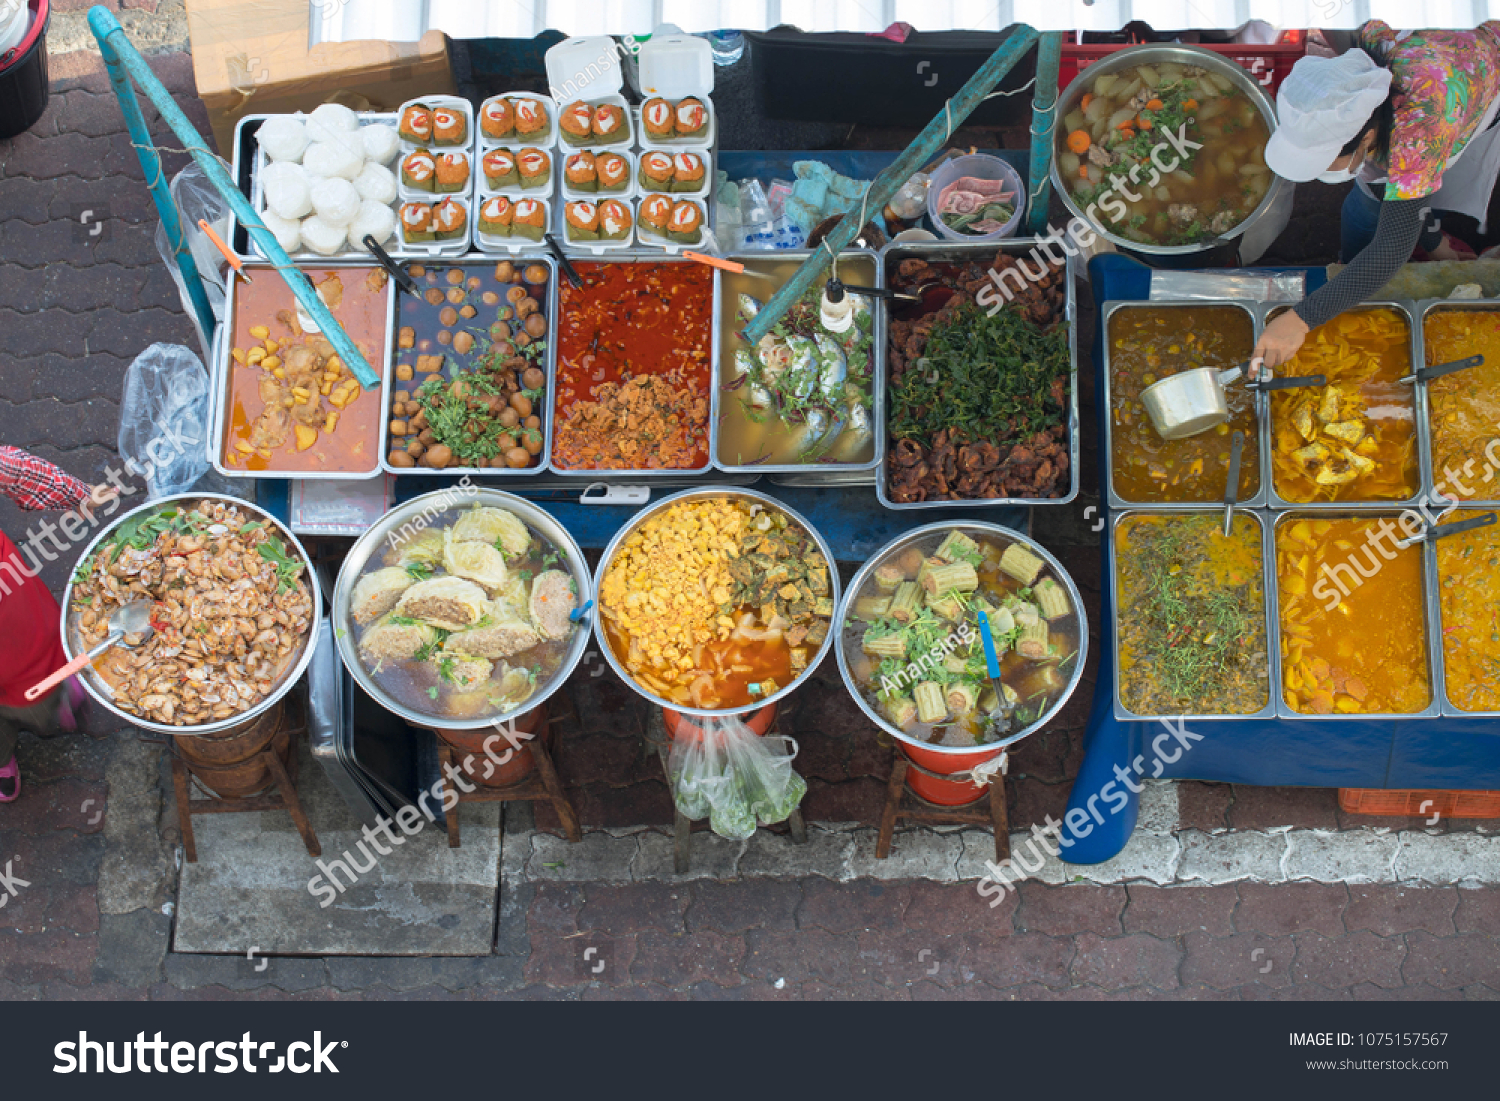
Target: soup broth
x=1119, y=127
x=1147, y=345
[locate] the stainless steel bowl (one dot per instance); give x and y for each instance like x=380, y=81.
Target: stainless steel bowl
x=990, y=531
x=425, y=508
x=95, y=685
x=1152, y=55
x=702, y=494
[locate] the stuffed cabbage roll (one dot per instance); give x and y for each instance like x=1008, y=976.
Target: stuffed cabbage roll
x=494, y=526
x=394, y=641
x=479, y=562
x=376, y=593
x=451, y=603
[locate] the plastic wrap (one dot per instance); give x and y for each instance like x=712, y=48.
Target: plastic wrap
x=164, y=419
x=1216, y=286
x=196, y=198
x=734, y=778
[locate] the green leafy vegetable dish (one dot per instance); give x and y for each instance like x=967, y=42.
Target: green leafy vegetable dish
x=911, y=638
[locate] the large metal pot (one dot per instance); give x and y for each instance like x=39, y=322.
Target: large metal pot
x=699, y=494
x=1152, y=55
x=95, y=685
x=426, y=507
x=955, y=760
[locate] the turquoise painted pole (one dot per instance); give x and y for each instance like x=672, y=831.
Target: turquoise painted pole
x=1043, y=127
x=119, y=53
x=927, y=144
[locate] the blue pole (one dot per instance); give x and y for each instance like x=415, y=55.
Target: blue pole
x=118, y=51
x=923, y=148
x=1043, y=126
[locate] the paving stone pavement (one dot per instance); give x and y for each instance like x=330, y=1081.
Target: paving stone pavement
x=94, y=836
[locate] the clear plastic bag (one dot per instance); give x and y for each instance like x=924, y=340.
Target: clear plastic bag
x=196, y=198
x=164, y=419
x=734, y=778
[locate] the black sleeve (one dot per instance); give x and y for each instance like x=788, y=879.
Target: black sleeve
x=1395, y=236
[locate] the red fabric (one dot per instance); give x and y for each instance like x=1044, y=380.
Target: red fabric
x=34, y=483
x=29, y=624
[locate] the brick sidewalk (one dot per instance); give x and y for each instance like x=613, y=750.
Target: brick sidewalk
x=76, y=306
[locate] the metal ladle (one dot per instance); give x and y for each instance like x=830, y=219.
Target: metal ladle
x=1232, y=487
x=129, y=621
x=1194, y=400
x=1427, y=374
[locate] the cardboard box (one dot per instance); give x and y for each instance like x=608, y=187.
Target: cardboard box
x=252, y=57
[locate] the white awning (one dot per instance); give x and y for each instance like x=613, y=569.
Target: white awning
x=406, y=20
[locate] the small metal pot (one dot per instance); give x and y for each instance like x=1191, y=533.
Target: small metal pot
x=1189, y=402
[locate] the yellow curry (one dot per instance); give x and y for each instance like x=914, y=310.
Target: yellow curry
x=1463, y=409
x=1148, y=344
x=1469, y=564
x=1353, y=630
x=1353, y=439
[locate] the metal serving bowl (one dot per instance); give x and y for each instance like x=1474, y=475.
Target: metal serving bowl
x=426, y=507
x=989, y=531
x=702, y=494
x=1154, y=55
x=95, y=685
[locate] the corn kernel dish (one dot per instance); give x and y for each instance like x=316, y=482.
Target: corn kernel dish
x=717, y=603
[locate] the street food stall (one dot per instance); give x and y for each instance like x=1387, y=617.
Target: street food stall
x=480, y=339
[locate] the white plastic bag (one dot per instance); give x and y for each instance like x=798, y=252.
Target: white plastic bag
x=164, y=419
x=734, y=778
x=196, y=198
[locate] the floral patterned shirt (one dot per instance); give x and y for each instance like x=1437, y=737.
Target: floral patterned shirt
x=1448, y=80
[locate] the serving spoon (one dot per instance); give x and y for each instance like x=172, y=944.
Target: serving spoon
x=132, y=619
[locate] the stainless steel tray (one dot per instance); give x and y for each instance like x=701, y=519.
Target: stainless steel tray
x=549, y=368
x=815, y=473
x=636, y=256
x=219, y=377
x=962, y=251
x=1268, y=586
x=1261, y=405
x=1435, y=609
x=1431, y=623
x=1419, y=408
x=1423, y=309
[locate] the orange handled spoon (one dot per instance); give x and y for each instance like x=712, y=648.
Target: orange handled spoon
x=130, y=620
x=234, y=261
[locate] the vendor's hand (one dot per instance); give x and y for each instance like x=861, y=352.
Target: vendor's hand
x=1281, y=340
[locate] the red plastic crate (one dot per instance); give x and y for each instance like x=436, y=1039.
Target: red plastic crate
x=1268, y=64
x=1409, y=804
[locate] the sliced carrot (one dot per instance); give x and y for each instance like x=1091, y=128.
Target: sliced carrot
x=1126, y=125
x=1127, y=133
x=1083, y=171
x=1190, y=104
x=1079, y=142
x=1154, y=105
x=1144, y=122
x=1083, y=104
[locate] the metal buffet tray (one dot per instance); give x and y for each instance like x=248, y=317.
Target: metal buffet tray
x=1431, y=621
x=1268, y=588
x=1423, y=309
x=1435, y=610
x=1419, y=408
x=1261, y=400
x=813, y=473
x=959, y=251
x=638, y=256
x=549, y=367
x=219, y=377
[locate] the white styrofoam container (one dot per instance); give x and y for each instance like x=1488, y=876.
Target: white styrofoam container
x=630, y=190
x=413, y=195
x=544, y=139
x=650, y=237
x=456, y=247
x=674, y=67
x=627, y=118
x=497, y=245
x=457, y=103
x=597, y=248
x=700, y=192
x=482, y=187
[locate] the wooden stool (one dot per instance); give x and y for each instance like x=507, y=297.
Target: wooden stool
x=992, y=813
x=682, y=826
x=284, y=776
x=542, y=784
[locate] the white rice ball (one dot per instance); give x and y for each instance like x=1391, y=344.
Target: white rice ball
x=376, y=182
x=381, y=142
x=287, y=231
x=321, y=237
x=374, y=218
x=284, y=186
x=343, y=158
x=330, y=120
x=335, y=201
x=283, y=137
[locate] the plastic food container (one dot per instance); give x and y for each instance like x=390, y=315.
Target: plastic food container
x=674, y=67
x=571, y=195
x=544, y=139
x=455, y=103
x=456, y=247
x=650, y=237
x=699, y=192
x=483, y=190
x=597, y=248
x=495, y=245
x=981, y=166
x=408, y=194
